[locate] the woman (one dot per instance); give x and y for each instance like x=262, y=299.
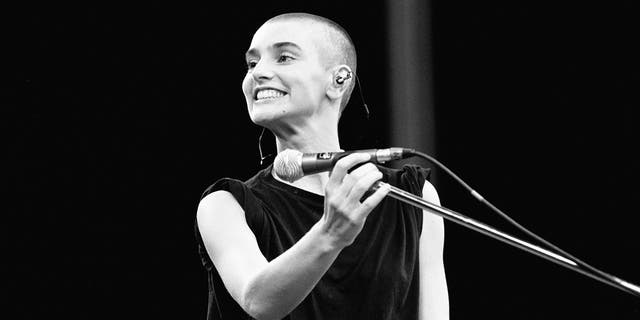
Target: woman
x=312, y=249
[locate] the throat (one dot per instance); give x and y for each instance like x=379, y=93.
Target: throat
x=314, y=183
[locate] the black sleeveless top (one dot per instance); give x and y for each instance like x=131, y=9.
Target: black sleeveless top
x=376, y=277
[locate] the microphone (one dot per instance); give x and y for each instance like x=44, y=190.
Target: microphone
x=291, y=165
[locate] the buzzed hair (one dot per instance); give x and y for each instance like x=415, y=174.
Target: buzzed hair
x=344, y=51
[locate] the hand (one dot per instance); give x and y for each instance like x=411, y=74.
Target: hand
x=344, y=214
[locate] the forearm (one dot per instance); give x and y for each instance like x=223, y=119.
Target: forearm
x=277, y=288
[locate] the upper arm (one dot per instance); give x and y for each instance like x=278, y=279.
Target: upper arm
x=434, y=298
x=432, y=235
x=229, y=241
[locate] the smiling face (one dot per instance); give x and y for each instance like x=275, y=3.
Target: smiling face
x=286, y=80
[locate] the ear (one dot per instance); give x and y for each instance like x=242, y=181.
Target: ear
x=340, y=80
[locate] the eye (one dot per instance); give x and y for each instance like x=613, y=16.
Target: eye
x=284, y=58
x=251, y=64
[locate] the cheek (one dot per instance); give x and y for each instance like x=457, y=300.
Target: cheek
x=309, y=87
x=247, y=91
x=246, y=85
x=318, y=83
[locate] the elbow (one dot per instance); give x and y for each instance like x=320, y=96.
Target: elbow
x=257, y=310
x=256, y=307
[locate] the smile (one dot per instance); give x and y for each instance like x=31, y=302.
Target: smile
x=264, y=94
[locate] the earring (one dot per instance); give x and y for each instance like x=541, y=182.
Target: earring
x=341, y=78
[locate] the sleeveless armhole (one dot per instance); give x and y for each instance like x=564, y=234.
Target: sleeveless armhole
x=412, y=178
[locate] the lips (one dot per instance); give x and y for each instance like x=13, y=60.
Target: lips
x=268, y=93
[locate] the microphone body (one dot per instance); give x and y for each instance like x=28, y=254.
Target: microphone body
x=291, y=165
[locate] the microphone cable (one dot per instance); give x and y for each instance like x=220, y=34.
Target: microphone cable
x=631, y=287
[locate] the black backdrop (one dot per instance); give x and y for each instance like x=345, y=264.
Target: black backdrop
x=118, y=117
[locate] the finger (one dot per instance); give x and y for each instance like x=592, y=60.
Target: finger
x=354, y=176
x=362, y=170
x=363, y=185
x=343, y=165
x=373, y=200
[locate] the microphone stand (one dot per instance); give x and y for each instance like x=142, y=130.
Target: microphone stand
x=487, y=230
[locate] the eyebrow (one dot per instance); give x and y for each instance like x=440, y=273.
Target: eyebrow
x=277, y=45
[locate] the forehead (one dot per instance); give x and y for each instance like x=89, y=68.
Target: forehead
x=305, y=34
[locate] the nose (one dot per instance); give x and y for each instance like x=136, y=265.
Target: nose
x=262, y=71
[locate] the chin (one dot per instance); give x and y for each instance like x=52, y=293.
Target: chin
x=261, y=112
x=265, y=117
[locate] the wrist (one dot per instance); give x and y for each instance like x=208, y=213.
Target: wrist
x=324, y=240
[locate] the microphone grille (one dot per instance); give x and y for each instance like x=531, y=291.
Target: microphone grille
x=288, y=165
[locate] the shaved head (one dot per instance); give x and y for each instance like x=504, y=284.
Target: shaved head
x=336, y=49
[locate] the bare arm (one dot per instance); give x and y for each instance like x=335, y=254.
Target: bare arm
x=271, y=290
x=434, y=298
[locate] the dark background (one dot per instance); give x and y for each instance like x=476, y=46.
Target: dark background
x=117, y=118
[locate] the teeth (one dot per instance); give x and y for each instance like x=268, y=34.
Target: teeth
x=269, y=94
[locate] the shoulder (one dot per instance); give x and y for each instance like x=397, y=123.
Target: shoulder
x=409, y=177
x=245, y=193
x=216, y=200
x=230, y=198
x=217, y=209
x=429, y=193
x=235, y=186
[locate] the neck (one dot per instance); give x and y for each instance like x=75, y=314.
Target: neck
x=307, y=142
x=312, y=136
x=318, y=136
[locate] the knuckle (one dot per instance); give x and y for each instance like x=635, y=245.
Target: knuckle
x=329, y=196
x=367, y=206
x=374, y=176
x=333, y=201
x=344, y=209
x=362, y=185
x=349, y=178
x=351, y=160
x=353, y=222
x=328, y=190
x=364, y=170
x=370, y=167
x=342, y=165
x=350, y=220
